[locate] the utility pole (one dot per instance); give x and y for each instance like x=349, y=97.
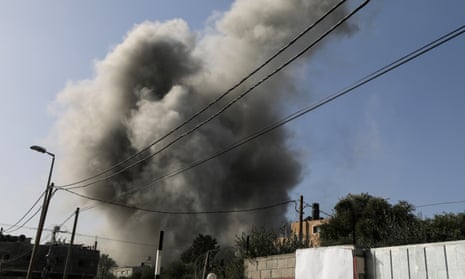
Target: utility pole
x=158, y=258
x=70, y=247
x=43, y=213
x=301, y=219
x=205, y=264
x=95, y=243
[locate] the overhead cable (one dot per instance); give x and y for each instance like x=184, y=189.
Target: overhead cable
x=374, y=75
x=93, y=236
x=33, y=215
x=116, y=240
x=16, y=227
x=228, y=105
x=216, y=100
x=25, y=214
x=169, y=212
x=439, y=203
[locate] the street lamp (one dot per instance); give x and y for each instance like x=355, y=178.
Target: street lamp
x=43, y=213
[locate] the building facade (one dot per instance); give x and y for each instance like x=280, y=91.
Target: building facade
x=15, y=254
x=123, y=272
x=310, y=230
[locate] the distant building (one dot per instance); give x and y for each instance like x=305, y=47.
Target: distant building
x=311, y=227
x=310, y=230
x=128, y=271
x=123, y=272
x=15, y=254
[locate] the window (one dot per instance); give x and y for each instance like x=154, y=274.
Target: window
x=316, y=229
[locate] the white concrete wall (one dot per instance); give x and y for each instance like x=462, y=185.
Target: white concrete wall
x=432, y=261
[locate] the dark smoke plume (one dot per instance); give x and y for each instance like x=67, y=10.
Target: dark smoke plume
x=160, y=75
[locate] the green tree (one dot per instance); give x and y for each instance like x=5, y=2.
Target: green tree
x=178, y=270
x=259, y=243
x=200, y=245
x=446, y=227
x=265, y=242
x=105, y=264
x=372, y=222
x=192, y=258
x=144, y=272
x=226, y=265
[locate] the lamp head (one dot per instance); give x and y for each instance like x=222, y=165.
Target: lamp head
x=38, y=148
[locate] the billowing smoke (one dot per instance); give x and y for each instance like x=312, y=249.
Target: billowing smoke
x=160, y=75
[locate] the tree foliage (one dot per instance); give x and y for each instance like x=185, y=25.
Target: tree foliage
x=265, y=242
x=446, y=227
x=373, y=222
x=143, y=272
x=370, y=221
x=193, y=257
x=105, y=264
x=200, y=245
x=178, y=270
x=226, y=265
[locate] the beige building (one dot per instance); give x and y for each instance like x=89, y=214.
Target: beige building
x=310, y=230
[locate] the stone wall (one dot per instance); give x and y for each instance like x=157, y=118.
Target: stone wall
x=272, y=267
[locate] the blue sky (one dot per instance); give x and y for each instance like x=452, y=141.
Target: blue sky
x=400, y=137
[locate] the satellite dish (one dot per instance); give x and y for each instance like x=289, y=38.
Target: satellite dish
x=211, y=276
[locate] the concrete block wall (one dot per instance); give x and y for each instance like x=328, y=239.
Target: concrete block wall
x=272, y=267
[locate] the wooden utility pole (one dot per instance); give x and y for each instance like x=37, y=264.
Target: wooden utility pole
x=158, y=258
x=43, y=213
x=70, y=247
x=205, y=265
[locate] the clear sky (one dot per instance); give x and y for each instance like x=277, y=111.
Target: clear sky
x=400, y=137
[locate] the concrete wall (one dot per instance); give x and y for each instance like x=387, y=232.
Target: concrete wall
x=419, y=261
x=275, y=267
x=432, y=260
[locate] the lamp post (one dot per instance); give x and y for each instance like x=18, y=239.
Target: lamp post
x=43, y=213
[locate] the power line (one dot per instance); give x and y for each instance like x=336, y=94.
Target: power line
x=181, y=212
x=67, y=219
x=227, y=106
x=327, y=214
x=407, y=58
x=439, y=203
x=376, y=74
x=322, y=211
x=154, y=245
x=27, y=212
x=32, y=216
x=93, y=236
x=72, y=215
x=28, y=251
x=27, y=221
x=235, y=86
x=116, y=240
